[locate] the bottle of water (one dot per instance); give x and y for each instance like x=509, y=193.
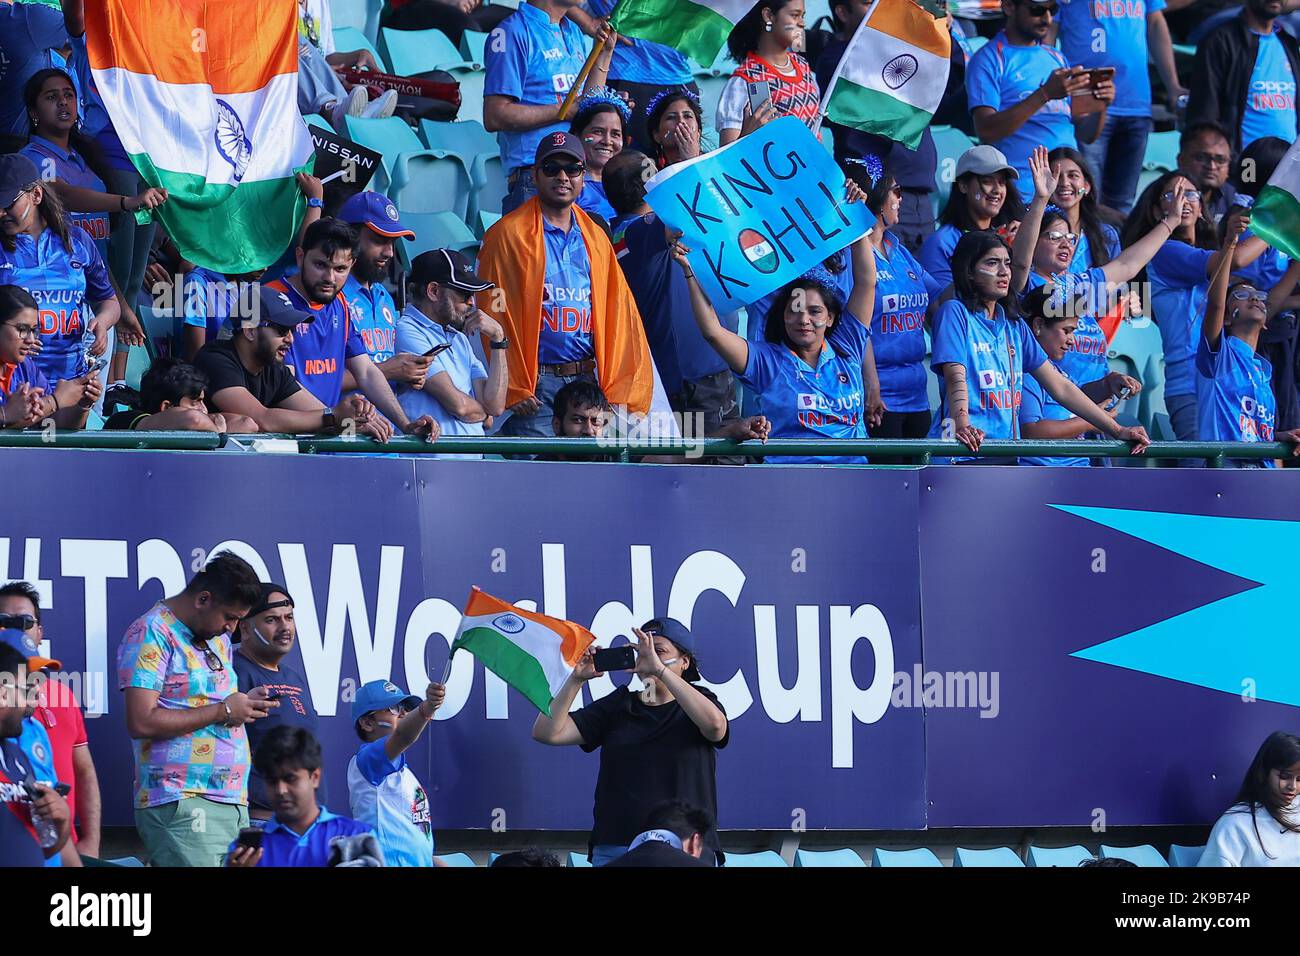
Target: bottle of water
x=93, y=362
x=47, y=834
x=1180, y=116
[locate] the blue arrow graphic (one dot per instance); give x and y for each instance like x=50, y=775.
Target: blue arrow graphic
x=1243, y=638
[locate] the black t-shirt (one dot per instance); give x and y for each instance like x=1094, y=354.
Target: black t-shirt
x=658, y=854
x=220, y=363
x=295, y=710
x=648, y=755
x=125, y=421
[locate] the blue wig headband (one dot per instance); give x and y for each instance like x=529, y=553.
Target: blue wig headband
x=604, y=96
x=677, y=93
x=822, y=276
x=872, y=164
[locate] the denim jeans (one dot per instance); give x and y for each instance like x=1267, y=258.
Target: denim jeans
x=1183, y=419
x=522, y=189
x=539, y=425
x=1116, y=159
x=318, y=84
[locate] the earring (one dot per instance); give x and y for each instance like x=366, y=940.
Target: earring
x=767, y=26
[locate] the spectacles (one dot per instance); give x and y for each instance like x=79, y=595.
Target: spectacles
x=24, y=622
x=1212, y=159
x=1190, y=195
x=1056, y=236
x=1254, y=295
x=27, y=331
x=210, y=657
x=552, y=169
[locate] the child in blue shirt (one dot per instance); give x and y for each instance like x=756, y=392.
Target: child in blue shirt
x=385, y=794
x=301, y=833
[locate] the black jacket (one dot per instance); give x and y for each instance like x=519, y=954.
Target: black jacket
x=1224, y=61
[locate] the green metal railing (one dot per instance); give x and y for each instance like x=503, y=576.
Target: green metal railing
x=918, y=451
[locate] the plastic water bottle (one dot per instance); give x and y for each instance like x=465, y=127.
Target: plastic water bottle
x=93, y=362
x=1180, y=116
x=47, y=834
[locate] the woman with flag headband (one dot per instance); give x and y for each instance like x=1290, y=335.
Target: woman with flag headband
x=601, y=123
x=763, y=43
x=675, y=122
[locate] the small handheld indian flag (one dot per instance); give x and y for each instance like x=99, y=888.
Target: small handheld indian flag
x=893, y=73
x=1275, y=217
x=203, y=94
x=531, y=652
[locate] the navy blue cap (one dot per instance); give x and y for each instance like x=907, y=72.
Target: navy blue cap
x=561, y=143
x=380, y=695
x=26, y=645
x=376, y=211
x=680, y=635
x=17, y=172
x=278, y=309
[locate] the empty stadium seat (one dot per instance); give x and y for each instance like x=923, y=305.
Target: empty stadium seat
x=478, y=150
x=949, y=143
x=473, y=45
x=436, y=230
x=1144, y=855
x=486, y=220
x=579, y=859
x=919, y=857
x=350, y=39
x=363, y=15
x=845, y=857
x=471, y=92
x=761, y=858
x=411, y=52
x=1057, y=855
x=455, y=859
x=998, y=856
x=416, y=178
x=1162, y=151
x=1185, y=855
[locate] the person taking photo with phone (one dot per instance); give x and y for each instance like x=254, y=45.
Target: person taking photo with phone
x=771, y=80
x=657, y=742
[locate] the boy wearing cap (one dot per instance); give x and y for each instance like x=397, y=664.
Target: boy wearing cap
x=266, y=636
x=247, y=375
x=564, y=305
x=458, y=392
x=374, y=313
x=384, y=793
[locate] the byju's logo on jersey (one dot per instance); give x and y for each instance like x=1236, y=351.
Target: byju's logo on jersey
x=989, y=378
x=758, y=252
x=234, y=146
x=813, y=402
x=889, y=303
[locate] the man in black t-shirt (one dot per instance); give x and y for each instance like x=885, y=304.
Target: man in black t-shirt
x=657, y=743
x=247, y=376
x=673, y=837
x=266, y=636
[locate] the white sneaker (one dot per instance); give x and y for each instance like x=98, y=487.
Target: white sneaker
x=383, y=106
x=354, y=105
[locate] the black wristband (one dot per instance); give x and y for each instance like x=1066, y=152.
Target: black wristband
x=503, y=344
x=329, y=421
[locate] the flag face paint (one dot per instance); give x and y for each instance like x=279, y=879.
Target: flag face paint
x=758, y=213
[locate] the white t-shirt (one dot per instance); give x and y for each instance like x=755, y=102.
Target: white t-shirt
x=734, y=100
x=316, y=13
x=1233, y=841
x=385, y=795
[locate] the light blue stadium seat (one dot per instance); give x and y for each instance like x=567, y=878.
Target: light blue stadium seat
x=416, y=178
x=411, y=52
x=761, y=858
x=360, y=14
x=473, y=45
x=478, y=150
x=436, y=230
x=455, y=859
x=998, y=856
x=710, y=93
x=837, y=858
x=1162, y=151
x=486, y=220
x=577, y=859
x=471, y=92
x=1137, y=350
x=1144, y=855
x=949, y=143
x=975, y=43
x=350, y=39
x=315, y=119
x=922, y=856
x=1068, y=856
x=512, y=4
x=1185, y=855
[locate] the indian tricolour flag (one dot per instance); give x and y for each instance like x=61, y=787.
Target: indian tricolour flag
x=1276, y=214
x=893, y=73
x=697, y=29
x=531, y=652
x=203, y=94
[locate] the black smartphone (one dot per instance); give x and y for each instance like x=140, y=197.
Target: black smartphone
x=615, y=658
x=250, y=837
x=62, y=789
x=437, y=350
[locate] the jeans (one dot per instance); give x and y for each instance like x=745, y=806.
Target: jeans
x=915, y=220
x=539, y=425
x=1116, y=159
x=1183, y=418
x=522, y=189
x=129, y=242
x=318, y=84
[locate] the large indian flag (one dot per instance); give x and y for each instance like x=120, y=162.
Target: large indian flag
x=531, y=652
x=203, y=94
x=697, y=29
x=1276, y=214
x=893, y=73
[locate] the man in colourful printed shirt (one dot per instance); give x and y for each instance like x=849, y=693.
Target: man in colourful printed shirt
x=186, y=715
x=1021, y=90
x=374, y=313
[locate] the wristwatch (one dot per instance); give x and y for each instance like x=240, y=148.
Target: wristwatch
x=329, y=421
x=503, y=344
x=315, y=203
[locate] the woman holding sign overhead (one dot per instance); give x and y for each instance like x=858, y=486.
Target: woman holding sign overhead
x=772, y=80
x=807, y=373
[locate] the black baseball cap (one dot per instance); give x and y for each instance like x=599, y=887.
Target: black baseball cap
x=17, y=172
x=560, y=143
x=680, y=636
x=445, y=267
x=276, y=308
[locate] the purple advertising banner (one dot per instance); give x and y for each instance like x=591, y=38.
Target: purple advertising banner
x=801, y=586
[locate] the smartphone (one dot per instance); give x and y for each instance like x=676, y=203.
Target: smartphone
x=1124, y=393
x=250, y=837
x=760, y=92
x=615, y=658
x=62, y=789
x=437, y=350
x=1100, y=75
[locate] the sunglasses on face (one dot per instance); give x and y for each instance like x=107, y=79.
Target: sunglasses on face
x=552, y=169
x=1190, y=195
x=1253, y=295
x=1041, y=9
x=24, y=622
x=1056, y=236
